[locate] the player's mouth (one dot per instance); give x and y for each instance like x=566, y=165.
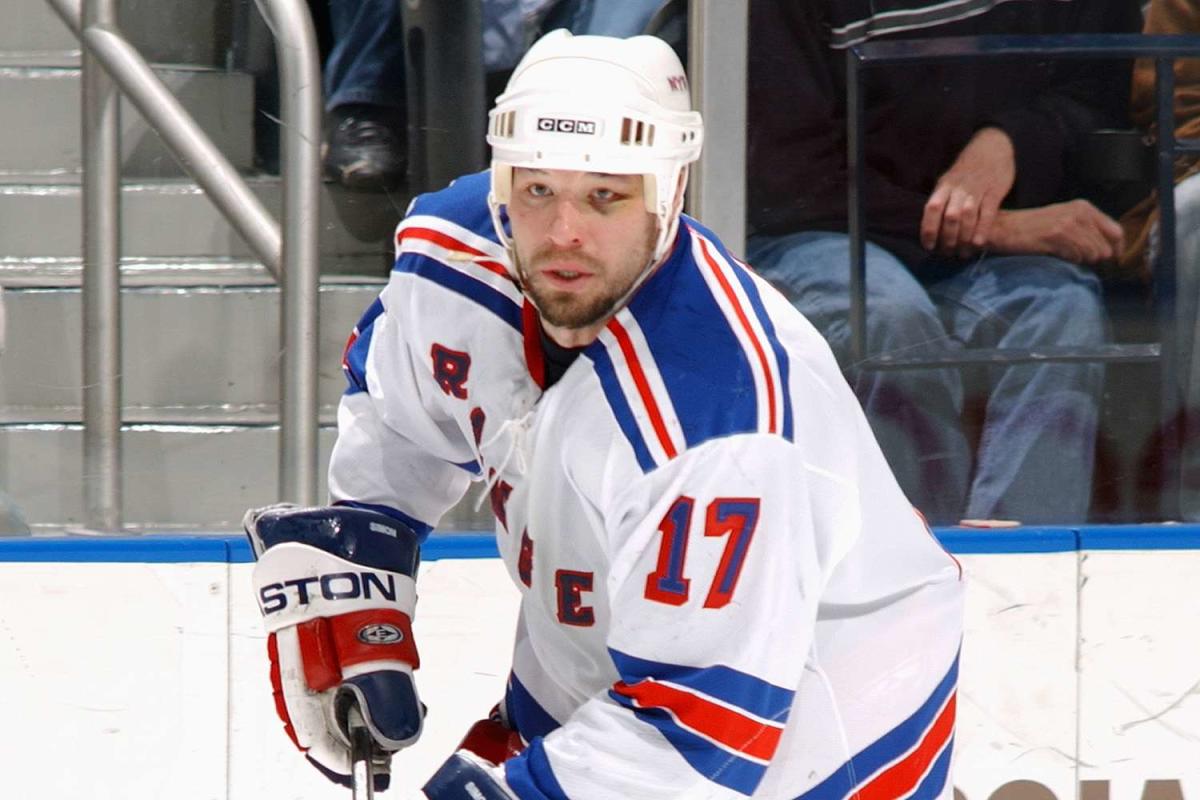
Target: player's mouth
x=566, y=276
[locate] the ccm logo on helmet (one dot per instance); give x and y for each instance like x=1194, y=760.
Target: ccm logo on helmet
x=555, y=125
x=335, y=586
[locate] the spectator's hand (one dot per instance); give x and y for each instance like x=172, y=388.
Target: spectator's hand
x=1075, y=231
x=962, y=209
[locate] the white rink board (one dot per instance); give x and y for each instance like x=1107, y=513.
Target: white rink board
x=149, y=680
x=115, y=680
x=1140, y=671
x=1017, y=682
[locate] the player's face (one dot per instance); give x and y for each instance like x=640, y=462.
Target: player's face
x=581, y=239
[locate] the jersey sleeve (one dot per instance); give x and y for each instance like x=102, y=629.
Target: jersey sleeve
x=396, y=450
x=717, y=563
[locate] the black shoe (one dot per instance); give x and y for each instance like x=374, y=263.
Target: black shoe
x=366, y=149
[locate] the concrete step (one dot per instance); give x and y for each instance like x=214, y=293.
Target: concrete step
x=41, y=107
x=168, y=31
x=188, y=353
x=41, y=224
x=174, y=477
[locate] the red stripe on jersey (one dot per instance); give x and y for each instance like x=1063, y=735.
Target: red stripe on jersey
x=903, y=776
x=531, y=335
x=745, y=322
x=346, y=350
x=450, y=243
x=643, y=386
x=737, y=732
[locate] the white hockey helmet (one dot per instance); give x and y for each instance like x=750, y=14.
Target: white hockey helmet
x=598, y=104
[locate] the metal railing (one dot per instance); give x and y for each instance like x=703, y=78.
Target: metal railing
x=1163, y=50
x=717, y=53
x=109, y=62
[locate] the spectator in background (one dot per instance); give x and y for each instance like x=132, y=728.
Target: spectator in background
x=366, y=142
x=974, y=236
x=1141, y=228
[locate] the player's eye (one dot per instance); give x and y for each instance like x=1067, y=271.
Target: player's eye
x=604, y=196
x=538, y=190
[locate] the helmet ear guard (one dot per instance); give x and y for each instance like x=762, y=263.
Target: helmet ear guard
x=598, y=104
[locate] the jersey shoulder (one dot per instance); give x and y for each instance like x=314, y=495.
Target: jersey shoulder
x=462, y=204
x=447, y=249
x=695, y=355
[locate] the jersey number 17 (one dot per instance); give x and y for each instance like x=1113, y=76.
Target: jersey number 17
x=734, y=517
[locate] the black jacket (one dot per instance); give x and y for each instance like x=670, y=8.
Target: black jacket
x=917, y=118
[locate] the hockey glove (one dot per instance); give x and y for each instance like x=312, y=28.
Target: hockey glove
x=467, y=775
x=337, y=592
x=492, y=740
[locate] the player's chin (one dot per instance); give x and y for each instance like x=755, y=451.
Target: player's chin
x=572, y=314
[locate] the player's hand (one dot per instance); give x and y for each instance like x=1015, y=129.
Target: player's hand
x=336, y=589
x=1074, y=231
x=960, y=212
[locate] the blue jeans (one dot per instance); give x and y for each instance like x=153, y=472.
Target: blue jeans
x=603, y=17
x=366, y=64
x=1037, y=444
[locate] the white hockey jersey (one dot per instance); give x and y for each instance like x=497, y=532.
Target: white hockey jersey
x=724, y=591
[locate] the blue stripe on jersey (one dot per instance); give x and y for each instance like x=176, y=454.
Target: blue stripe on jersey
x=706, y=370
x=931, y=788
x=354, y=363
x=470, y=466
x=462, y=284
x=715, y=764
x=525, y=714
x=619, y=405
x=760, y=311
x=421, y=529
x=463, y=202
x=888, y=747
x=752, y=695
x=530, y=775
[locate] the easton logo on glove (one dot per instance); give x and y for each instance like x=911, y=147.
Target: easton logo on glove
x=274, y=597
x=380, y=634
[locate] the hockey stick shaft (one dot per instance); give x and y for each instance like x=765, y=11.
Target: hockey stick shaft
x=362, y=768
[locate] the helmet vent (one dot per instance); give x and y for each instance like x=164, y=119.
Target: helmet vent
x=504, y=124
x=637, y=133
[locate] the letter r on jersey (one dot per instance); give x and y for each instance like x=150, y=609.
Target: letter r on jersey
x=450, y=368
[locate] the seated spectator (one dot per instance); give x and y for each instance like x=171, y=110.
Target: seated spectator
x=366, y=142
x=1141, y=229
x=975, y=236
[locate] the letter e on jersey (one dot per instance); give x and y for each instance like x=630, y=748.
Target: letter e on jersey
x=570, y=586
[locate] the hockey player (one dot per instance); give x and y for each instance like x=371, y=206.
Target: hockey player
x=724, y=592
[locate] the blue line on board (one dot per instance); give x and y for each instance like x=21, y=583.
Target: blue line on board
x=234, y=549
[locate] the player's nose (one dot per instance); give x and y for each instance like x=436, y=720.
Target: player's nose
x=566, y=228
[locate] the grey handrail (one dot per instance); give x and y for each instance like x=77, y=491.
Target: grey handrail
x=291, y=258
